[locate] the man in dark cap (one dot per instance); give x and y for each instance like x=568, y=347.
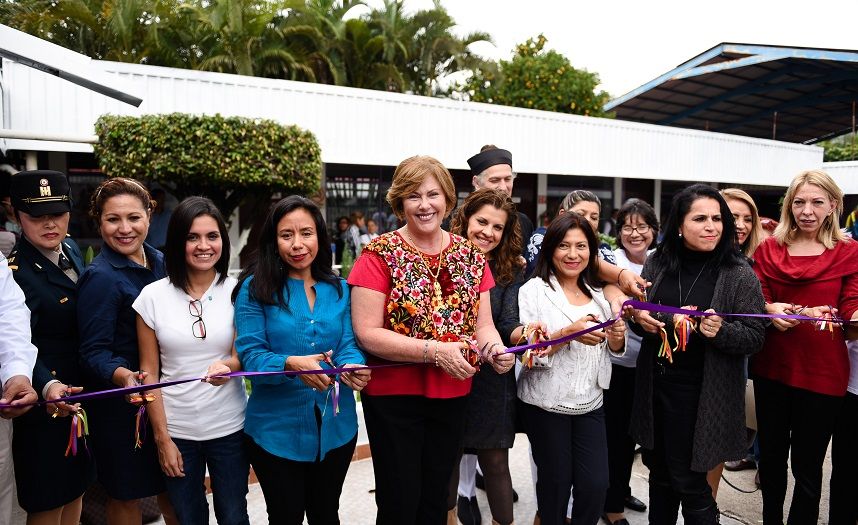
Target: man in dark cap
x=492, y=168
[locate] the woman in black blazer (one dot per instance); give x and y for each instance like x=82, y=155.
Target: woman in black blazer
x=46, y=266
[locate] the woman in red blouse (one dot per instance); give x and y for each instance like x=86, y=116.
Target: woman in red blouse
x=421, y=297
x=807, y=267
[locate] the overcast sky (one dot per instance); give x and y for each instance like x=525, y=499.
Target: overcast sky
x=628, y=43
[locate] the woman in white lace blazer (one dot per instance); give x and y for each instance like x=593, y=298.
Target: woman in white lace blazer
x=562, y=393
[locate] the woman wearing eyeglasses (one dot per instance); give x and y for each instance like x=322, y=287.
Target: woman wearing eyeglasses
x=185, y=329
x=638, y=228
x=292, y=313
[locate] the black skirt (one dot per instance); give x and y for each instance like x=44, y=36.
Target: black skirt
x=46, y=478
x=126, y=473
x=490, y=415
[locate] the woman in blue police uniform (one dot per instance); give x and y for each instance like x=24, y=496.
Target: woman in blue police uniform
x=108, y=346
x=46, y=266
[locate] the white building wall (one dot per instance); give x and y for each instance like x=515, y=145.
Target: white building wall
x=845, y=174
x=356, y=126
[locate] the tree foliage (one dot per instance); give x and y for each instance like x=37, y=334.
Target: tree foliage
x=840, y=149
x=227, y=159
x=384, y=48
x=537, y=78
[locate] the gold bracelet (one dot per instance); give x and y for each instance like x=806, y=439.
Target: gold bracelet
x=436, y=354
x=425, y=351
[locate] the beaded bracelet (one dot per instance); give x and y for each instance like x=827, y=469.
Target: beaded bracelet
x=425, y=351
x=436, y=354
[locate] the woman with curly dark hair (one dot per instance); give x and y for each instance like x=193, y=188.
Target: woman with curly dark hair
x=488, y=218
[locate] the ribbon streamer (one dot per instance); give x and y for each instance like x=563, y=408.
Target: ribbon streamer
x=102, y=394
x=79, y=431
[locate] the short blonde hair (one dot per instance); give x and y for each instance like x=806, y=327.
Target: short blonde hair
x=411, y=173
x=830, y=232
x=755, y=237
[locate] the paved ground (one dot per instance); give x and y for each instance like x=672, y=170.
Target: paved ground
x=357, y=505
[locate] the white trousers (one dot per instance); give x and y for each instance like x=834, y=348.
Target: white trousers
x=10, y=512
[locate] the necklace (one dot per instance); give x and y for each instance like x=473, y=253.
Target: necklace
x=679, y=278
x=145, y=262
x=436, y=284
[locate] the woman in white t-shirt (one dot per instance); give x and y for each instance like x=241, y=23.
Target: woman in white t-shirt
x=185, y=329
x=637, y=229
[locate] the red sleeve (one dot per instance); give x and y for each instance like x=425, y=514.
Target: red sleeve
x=370, y=272
x=488, y=281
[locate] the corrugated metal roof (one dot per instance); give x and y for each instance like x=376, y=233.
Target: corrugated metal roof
x=356, y=126
x=792, y=94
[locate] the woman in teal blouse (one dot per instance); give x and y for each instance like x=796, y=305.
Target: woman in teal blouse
x=292, y=313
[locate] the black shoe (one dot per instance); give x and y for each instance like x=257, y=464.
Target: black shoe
x=468, y=511
x=621, y=521
x=742, y=464
x=514, y=496
x=633, y=503
x=480, y=482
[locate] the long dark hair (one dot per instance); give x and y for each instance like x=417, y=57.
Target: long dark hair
x=554, y=236
x=177, y=238
x=726, y=252
x=268, y=269
x=507, y=254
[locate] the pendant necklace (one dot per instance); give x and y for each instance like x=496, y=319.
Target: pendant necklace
x=436, y=286
x=679, y=278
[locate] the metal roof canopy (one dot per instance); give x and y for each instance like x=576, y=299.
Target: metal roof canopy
x=63, y=63
x=791, y=94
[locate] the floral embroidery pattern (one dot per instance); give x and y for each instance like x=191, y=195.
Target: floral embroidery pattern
x=412, y=308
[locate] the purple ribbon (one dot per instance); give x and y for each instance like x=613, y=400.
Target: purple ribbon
x=639, y=305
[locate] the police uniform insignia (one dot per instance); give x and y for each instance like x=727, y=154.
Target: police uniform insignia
x=37, y=265
x=64, y=300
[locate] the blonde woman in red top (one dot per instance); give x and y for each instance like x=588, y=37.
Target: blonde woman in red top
x=421, y=296
x=807, y=267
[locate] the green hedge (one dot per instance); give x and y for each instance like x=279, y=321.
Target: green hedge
x=224, y=158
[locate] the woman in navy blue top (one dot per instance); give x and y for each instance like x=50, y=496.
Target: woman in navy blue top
x=108, y=337
x=292, y=313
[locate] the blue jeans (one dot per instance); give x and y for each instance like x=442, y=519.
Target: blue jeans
x=228, y=471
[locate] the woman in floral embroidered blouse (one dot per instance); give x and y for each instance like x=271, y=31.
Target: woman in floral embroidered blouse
x=421, y=296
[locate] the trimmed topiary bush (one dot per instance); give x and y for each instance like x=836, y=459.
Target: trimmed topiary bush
x=227, y=159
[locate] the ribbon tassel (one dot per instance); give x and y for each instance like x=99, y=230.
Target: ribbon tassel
x=79, y=431
x=141, y=400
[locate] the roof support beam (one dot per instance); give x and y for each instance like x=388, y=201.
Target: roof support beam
x=763, y=87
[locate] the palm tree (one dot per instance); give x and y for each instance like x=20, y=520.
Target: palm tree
x=436, y=51
x=118, y=30
x=396, y=33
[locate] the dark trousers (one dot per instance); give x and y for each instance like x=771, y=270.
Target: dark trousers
x=795, y=423
x=570, y=452
x=672, y=482
x=843, y=506
x=621, y=447
x=291, y=488
x=415, y=442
